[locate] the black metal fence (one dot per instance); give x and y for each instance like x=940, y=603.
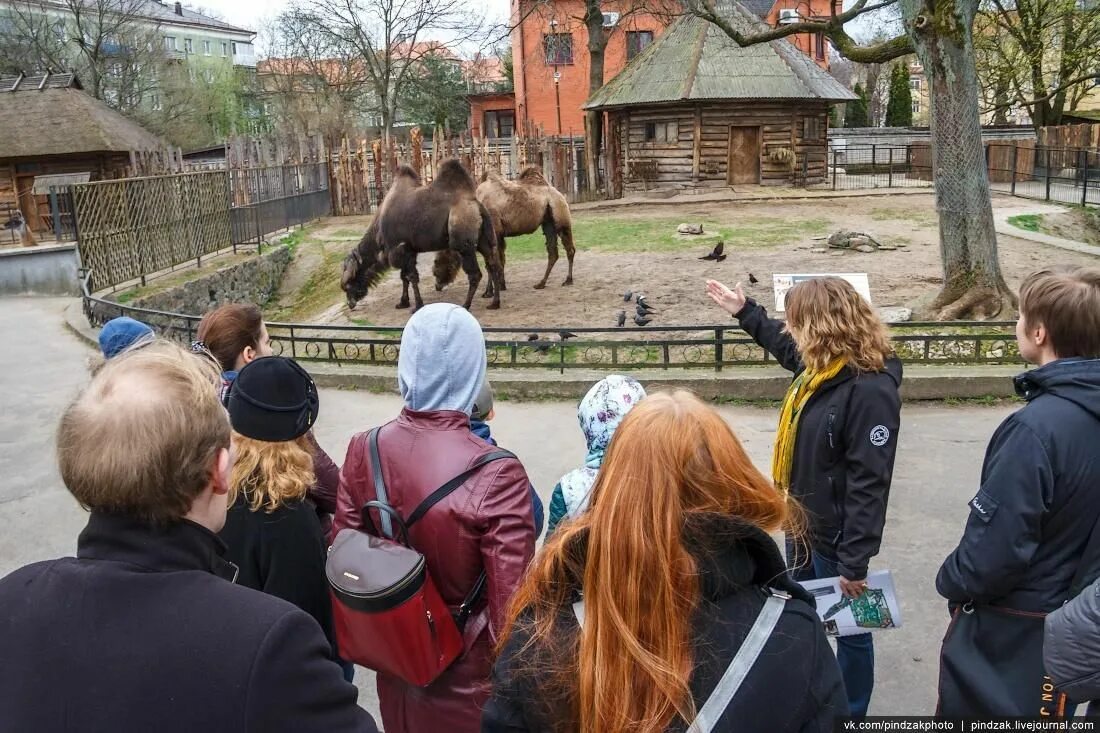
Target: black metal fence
x=679, y=347
x=1016, y=167
x=265, y=200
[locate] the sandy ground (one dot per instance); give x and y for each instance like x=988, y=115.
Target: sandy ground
x=673, y=280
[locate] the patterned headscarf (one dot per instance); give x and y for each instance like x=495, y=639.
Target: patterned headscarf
x=600, y=413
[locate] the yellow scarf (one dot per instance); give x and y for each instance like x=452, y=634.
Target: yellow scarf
x=799, y=393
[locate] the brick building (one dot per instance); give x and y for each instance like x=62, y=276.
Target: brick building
x=551, y=62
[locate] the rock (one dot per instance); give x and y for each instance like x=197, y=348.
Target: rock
x=690, y=229
x=866, y=248
x=859, y=240
x=886, y=247
x=818, y=250
x=840, y=239
x=836, y=253
x=895, y=314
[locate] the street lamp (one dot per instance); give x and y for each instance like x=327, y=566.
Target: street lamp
x=557, y=95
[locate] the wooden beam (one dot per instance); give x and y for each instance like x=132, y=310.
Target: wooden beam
x=696, y=144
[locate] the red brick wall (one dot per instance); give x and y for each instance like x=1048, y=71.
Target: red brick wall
x=806, y=43
x=537, y=100
x=480, y=105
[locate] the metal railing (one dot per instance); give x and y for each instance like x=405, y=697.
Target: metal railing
x=713, y=347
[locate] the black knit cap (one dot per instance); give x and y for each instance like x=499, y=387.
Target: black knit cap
x=273, y=400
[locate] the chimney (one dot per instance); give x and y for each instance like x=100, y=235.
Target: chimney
x=179, y=8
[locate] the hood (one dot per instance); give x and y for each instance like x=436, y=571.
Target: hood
x=1076, y=380
x=442, y=361
x=602, y=409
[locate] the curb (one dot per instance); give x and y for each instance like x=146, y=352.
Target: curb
x=703, y=199
x=734, y=384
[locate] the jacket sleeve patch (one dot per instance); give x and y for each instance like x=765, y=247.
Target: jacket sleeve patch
x=880, y=436
x=983, y=506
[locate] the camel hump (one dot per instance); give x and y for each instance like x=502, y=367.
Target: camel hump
x=532, y=176
x=405, y=171
x=451, y=176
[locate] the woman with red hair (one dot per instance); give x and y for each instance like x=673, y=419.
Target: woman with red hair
x=669, y=584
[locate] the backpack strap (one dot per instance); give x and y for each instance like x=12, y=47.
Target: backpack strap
x=739, y=666
x=382, y=504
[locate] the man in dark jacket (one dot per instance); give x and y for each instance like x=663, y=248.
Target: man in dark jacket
x=144, y=629
x=1038, y=502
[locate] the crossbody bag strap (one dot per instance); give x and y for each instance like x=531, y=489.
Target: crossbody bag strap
x=380, y=493
x=738, y=668
x=446, y=489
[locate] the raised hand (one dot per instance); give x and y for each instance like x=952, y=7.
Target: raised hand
x=731, y=301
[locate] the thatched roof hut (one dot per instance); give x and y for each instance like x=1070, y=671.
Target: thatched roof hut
x=51, y=126
x=696, y=109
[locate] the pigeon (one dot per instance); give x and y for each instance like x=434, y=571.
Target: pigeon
x=642, y=321
x=716, y=253
x=532, y=337
x=642, y=301
x=720, y=258
x=566, y=335
x=645, y=310
x=627, y=296
x=622, y=319
x=752, y=279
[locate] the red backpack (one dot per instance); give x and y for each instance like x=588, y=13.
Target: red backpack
x=386, y=610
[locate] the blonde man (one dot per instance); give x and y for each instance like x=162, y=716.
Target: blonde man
x=144, y=629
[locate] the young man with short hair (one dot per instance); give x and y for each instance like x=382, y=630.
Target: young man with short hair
x=1035, y=510
x=144, y=629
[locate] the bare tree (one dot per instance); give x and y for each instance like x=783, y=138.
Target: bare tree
x=115, y=49
x=313, y=81
x=389, y=37
x=940, y=32
x=1038, y=54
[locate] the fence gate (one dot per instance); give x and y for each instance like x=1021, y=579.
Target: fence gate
x=133, y=227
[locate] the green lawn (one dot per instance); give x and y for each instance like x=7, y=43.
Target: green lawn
x=622, y=234
x=1028, y=222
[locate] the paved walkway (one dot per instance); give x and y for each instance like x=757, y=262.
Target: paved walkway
x=937, y=471
x=1001, y=217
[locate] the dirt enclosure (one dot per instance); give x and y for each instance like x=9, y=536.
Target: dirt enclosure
x=637, y=249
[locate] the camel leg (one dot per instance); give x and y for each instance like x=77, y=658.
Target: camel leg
x=551, y=251
x=570, y=251
x=500, y=256
x=492, y=264
x=473, y=272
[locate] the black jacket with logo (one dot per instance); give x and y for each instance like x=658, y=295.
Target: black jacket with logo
x=844, y=450
x=1039, y=499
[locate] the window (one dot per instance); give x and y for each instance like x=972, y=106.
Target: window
x=499, y=123
x=916, y=106
x=661, y=132
x=819, y=46
x=812, y=129
x=234, y=48
x=169, y=43
x=188, y=45
x=225, y=49
x=206, y=48
x=914, y=83
x=154, y=102
x=636, y=42
x=558, y=48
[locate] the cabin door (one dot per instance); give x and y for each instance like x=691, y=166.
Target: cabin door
x=744, y=156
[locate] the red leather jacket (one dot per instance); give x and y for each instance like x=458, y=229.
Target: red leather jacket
x=486, y=523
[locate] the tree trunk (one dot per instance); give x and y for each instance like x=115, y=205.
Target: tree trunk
x=973, y=285
x=593, y=120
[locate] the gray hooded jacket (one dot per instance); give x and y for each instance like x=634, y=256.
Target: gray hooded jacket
x=442, y=361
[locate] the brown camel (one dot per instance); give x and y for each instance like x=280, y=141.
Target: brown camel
x=523, y=206
x=414, y=218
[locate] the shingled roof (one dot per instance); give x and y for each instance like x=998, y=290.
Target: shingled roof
x=709, y=65
x=53, y=116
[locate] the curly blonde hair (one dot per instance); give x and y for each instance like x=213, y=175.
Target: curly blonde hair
x=829, y=320
x=270, y=475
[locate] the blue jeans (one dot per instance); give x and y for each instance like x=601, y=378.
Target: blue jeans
x=854, y=654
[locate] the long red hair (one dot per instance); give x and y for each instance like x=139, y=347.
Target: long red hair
x=631, y=665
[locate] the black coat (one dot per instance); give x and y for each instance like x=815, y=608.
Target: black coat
x=844, y=450
x=1039, y=498
x=795, y=684
x=283, y=554
x=144, y=631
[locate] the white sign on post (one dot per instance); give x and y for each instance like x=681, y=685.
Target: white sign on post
x=783, y=284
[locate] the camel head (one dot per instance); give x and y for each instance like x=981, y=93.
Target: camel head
x=363, y=267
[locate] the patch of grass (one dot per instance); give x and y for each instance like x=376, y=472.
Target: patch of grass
x=1027, y=222
x=319, y=291
x=294, y=239
x=621, y=234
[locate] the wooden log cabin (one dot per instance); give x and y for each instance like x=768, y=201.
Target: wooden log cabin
x=695, y=110
x=52, y=128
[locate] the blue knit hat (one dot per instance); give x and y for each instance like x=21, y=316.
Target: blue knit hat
x=121, y=333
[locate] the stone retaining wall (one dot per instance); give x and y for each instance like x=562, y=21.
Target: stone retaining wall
x=253, y=281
